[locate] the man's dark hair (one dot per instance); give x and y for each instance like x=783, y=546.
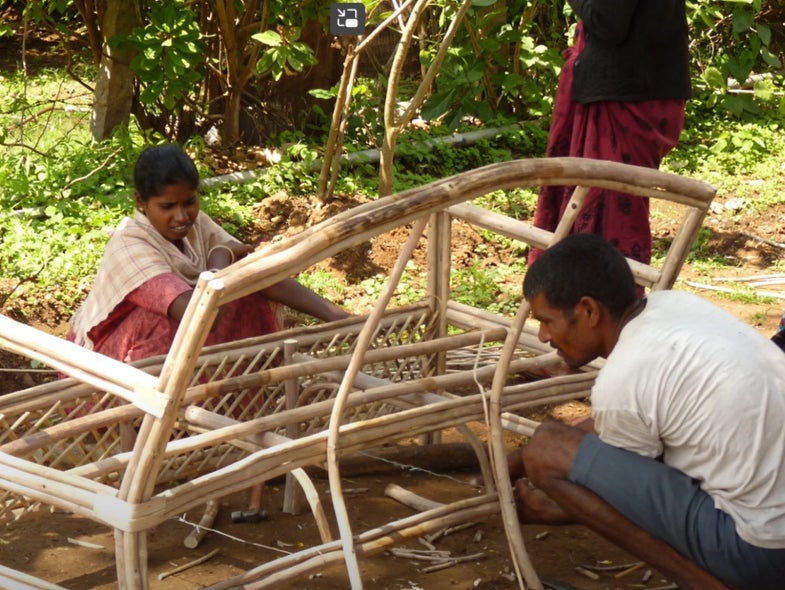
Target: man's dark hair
x=163, y=165
x=582, y=265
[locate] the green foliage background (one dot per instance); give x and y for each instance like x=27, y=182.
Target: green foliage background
x=61, y=193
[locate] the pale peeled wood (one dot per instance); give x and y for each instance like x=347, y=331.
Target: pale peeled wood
x=450, y=346
x=198, y=533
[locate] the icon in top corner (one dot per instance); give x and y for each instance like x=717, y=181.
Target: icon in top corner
x=347, y=18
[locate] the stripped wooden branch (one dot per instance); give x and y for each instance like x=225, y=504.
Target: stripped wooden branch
x=721, y=289
x=188, y=565
x=454, y=561
x=198, y=533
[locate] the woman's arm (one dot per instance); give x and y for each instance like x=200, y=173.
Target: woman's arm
x=176, y=309
x=292, y=294
x=223, y=255
x=288, y=292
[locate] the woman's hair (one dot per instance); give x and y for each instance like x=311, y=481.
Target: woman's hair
x=582, y=265
x=160, y=166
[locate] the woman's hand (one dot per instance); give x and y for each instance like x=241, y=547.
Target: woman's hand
x=292, y=294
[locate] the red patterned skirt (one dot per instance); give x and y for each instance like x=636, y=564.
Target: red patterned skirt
x=639, y=133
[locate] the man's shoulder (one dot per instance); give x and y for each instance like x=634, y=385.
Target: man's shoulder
x=673, y=295
x=683, y=303
x=672, y=320
x=677, y=322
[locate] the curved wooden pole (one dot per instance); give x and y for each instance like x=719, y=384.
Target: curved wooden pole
x=363, y=341
x=523, y=566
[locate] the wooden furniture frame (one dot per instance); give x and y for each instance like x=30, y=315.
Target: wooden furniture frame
x=132, y=446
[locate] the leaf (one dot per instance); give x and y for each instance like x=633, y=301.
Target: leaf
x=438, y=104
x=322, y=93
x=740, y=67
x=475, y=72
x=764, y=89
x=714, y=78
x=742, y=21
x=269, y=38
x=265, y=63
x=736, y=104
x=295, y=63
x=770, y=58
x=764, y=33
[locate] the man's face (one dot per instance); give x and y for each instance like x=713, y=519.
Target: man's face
x=571, y=332
x=173, y=212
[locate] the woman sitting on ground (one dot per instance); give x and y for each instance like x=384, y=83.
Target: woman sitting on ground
x=153, y=261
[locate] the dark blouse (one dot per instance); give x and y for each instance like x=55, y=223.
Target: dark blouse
x=634, y=50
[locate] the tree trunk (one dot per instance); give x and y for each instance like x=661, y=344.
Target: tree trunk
x=114, y=88
x=230, y=129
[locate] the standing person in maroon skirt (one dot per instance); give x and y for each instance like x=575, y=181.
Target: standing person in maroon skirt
x=621, y=97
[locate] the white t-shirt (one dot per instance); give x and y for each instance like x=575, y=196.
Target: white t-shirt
x=691, y=382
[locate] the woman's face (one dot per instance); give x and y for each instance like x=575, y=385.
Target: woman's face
x=173, y=212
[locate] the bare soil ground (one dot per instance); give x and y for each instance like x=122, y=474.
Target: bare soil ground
x=746, y=239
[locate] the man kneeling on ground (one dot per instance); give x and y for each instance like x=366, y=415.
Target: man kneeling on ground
x=681, y=462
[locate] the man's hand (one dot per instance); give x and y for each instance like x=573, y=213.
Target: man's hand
x=514, y=465
x=535, y=507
